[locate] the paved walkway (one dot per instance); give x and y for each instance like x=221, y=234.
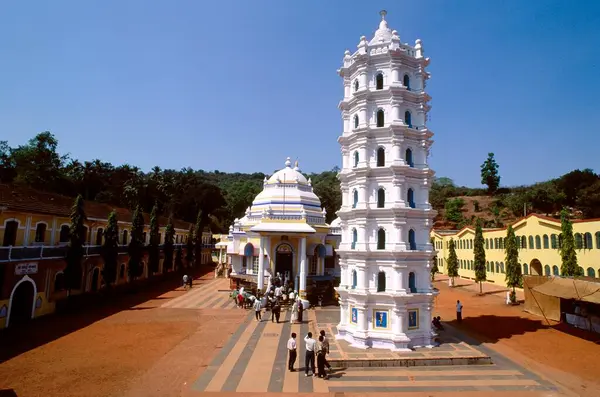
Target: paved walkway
x=254, y=360
x=213, y=294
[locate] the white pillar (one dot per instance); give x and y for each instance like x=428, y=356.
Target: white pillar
x=261, y=264
x=27, y=231
x=302, y=252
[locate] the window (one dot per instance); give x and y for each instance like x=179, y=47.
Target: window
x=578, y=241
x=598, y=240
x=409, y=158
x=99, y=234
x=380, y=197
x=553, y=242
x=406, y=82
x=381, y=239
x=354, y=279
x=546, y=244
x=65, y=232
x=379, y=81
x=380, y=118
x=380, y=157
x=244, y=260
x=591, y=272
x=125, y=237
x=412, y=283
x=555, y=270
x=354, y=238
x=411, y=240
x=355, y=85
x=355, y=121
x=530, y=242
x=487, y=244
x=10, y=233
x=354, y=198
x=538, y=243
x=40, y=232
x=525, y=268
x=410, y=197
x=356, y=159
x=314, y=262
x=381, y=282
x=587, y=241
x=546, y=270
x=255, y=265
x=523, y=242
x=407, y=119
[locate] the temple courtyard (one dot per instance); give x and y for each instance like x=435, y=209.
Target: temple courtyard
x=164, y=341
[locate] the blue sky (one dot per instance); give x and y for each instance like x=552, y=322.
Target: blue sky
x=240, y=85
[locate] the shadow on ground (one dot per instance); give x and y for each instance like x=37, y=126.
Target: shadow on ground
x=490, y=329
x=8, y=393
x=93, y=307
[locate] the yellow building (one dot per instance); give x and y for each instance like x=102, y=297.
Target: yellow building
x=539, y=238
x=34, y=232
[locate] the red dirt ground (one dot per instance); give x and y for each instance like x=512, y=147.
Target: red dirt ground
x=561, y=353
x=104, y=354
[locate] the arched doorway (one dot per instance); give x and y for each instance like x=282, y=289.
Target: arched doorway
x=535, y=267
x=95, y=276
x=21, y=305
x=284, y=261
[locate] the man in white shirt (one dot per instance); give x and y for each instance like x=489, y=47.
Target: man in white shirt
x=459, y=307
x=309, y=357
x=291, y=346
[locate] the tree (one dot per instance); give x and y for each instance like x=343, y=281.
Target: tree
x=453, y=210
x=452, y=261
x=110, y=250
x=136, y=245
x=479, y=256
x=178, y=260
x=153, y=247
x=513, y=268
x=434, y=267
x=198, y=229
x=189, y=247
x=489, y=174
x=168, y=247
x=75, y=248
x=568, y=255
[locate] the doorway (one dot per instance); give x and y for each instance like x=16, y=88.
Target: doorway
x=21, y=306
x=284, y=261
x=536, y=267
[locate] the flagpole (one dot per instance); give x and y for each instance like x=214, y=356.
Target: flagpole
x=284, y=195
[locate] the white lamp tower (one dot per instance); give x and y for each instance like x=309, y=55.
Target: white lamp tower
x=385, y=253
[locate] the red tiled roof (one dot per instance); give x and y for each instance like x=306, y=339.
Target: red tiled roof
x=24, y=199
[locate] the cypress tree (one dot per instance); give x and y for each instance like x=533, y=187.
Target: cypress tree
x=168, y=248
x=513, y=268
x=198, y=238
x=452, y=261
x=479, y=255
x=178, y=259
x=434, y=267
x=136, y=245
x=110, y=250
x=153, y=249
x=569, y=266
x=189, y=247
x=75, y=250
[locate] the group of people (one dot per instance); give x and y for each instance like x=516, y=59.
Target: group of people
x=318, y=349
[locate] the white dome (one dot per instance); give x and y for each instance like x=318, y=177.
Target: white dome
x=337, y=222
x=288, y=174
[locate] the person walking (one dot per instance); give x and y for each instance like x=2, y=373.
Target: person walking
x=294, y=316
x=459, y=307
x=276, y=311
x=291, y=346
x=321, y=358
x=300, y=310
x=257, y=309
x=309, y=356
x=185, y=281
x=325, y=343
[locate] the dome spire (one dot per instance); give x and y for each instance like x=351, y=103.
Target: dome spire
x=383, y=13
x=288, y=162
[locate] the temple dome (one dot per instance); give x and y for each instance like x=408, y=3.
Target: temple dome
x=288, y=174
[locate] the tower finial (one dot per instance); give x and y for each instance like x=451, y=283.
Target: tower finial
x=383, y=13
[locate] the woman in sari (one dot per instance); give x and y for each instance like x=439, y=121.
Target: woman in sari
x=294, y=317
x=300, y=310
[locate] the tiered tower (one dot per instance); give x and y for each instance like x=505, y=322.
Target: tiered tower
x=385, y=253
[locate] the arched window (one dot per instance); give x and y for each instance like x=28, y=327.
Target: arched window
x=408, y=157
x=64, y=234
x=380, y=197
x=523, y=242
x=553, y=242
x=355, y=121
x=410, y=197
x=598, y=240
x=40, y=233
x=354, y=198
x=99, y=235
x=531, y=246
x=546, y=244
x=379, y=81
x=546, y=270
x=497, y=267
x=380, y=157
x=354, y=279
x=487, y=244
x=487, y=266
x=381, y=239
x=412, y=283
x=10, y=233
x=406, y=82
x=59, y=282
x=407, y=118
x=356, y=159
x=591, y=272
x=525, y=268
x=380, y=118
x=538, y=243
x=555, y=271
x=381, y=282
x=125, y=237
x=587, y=241
x=578, y=241
x=354, y=238
x=411, y=240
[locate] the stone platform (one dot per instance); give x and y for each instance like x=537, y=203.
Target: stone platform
x=452, y=350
